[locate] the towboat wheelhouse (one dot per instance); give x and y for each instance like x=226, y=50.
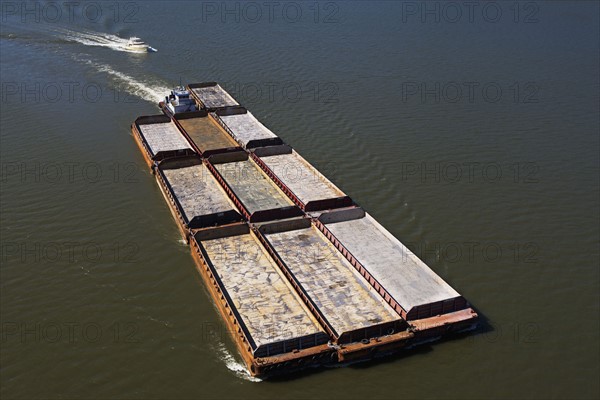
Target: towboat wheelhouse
x=180, y=101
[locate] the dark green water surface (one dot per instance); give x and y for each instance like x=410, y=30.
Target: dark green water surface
x=472, y=134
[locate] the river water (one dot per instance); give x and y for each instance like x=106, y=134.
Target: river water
x=469, y=130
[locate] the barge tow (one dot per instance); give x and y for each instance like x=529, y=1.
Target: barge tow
x=301, y=274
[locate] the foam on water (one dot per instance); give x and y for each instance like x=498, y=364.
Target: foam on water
x=142, y=88
x=233, y=365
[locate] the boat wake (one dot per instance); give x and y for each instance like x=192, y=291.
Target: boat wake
x=91, y=38
x=143, y=90
x=127, y=85
x=233, y=365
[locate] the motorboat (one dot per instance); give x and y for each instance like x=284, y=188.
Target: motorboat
x=137, y=45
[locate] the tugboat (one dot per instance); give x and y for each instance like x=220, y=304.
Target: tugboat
x=178, y=101
x=137, y=45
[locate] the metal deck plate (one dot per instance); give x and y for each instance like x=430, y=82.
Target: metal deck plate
x=214, y=96
x=256, y=191
x=163, y=137
x=206, y=134
x=197, y=191
x=245, y=127
x=303, y=179
x=344, y=299
x=266, y=303
x=405, y=277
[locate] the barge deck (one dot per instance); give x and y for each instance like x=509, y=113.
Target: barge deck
x=260, y=198
x=246, y=129
x=158, y=138
x=345, y=303
x=404, y=281
x=207, y=136
x=197, y=194
x=310, y=189
x=211, y=96
x=271, y=313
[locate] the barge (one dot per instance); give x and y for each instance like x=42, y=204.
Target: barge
x=211, y=96
x=158, y=138
x=302, y=276
x=259, y=198
x=248, y=131
x=309, y=189
x=205, y=134
x=198, y=196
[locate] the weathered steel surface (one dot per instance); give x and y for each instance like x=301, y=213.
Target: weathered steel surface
x=347, y=303
x=163, y=137
x=272, y=365
x=456, y=321
x=255, y=190
x=375, y=347
x=142, y=145
x=275, y=319
x=246, y=129
x=407, y=279
x=206, y=134
x=201, y=199
x=212, y=95
x=305, y=182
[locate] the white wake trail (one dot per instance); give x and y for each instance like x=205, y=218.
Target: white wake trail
x=233, y=365
x=90, y=38
x=147, y=91
x=127, y=85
